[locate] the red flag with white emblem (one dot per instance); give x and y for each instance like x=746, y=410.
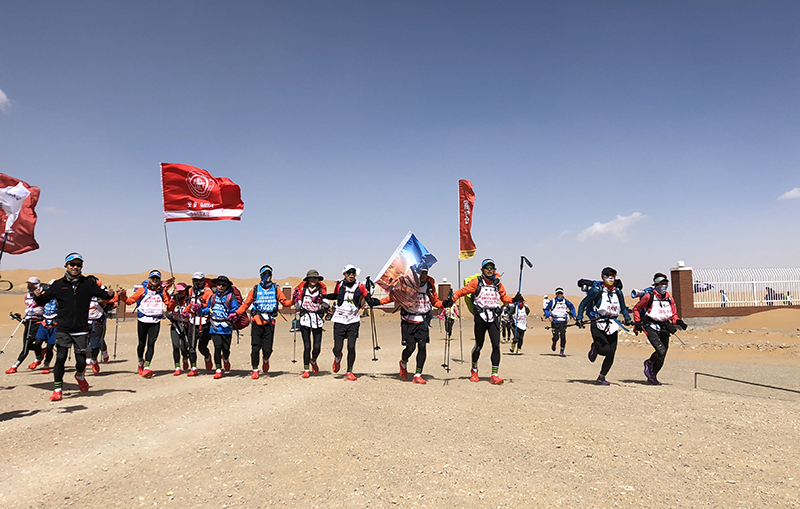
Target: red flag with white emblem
x=193, y=194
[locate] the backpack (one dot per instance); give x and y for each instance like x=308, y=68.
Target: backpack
x=587, y=284
x=470, y=299
x=243, y=320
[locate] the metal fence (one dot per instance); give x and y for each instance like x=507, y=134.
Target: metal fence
x=715, y=288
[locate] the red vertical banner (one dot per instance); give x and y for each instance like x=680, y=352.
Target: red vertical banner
x=17, y=214
x=466, y=204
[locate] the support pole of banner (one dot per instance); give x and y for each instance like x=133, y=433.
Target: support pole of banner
x=3, y=249
x=460, y=338
x=169, y=258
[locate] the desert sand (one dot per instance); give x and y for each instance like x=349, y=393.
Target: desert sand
x=548, y=437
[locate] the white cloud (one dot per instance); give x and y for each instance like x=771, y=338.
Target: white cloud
x=563, y=234
x=5, y=103
x=617, y=228
x=788, y=195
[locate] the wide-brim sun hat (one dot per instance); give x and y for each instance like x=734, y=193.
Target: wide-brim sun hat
x=222, y=279
x=312, y=273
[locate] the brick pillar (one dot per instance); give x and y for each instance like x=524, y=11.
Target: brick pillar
x=287, y=292
x=443, y=290
x=683, y=290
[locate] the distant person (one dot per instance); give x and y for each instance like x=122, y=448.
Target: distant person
x=150, y=299
x=724, y=298
x=308, y=300
x=656, y=315
x=506, y=324
x=788, y=299
x=34, y=314
x=519, y=318
x=603, y=305
x=545, y=302
x=559, y=310
x=74, y=293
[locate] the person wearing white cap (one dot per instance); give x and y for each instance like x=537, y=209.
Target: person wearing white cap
x=545, y=302
x=33, y=317
x=350, y=297
x=150, y=300
x=558, y=311
x=199, y=332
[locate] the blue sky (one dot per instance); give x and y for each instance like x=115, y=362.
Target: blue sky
x=631, y=134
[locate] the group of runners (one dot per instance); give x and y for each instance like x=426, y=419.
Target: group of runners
x=71, y=312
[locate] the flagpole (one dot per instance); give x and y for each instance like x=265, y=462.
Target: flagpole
x=3, y=249
x=169, y=258
x=460, y=339
x=164, y=208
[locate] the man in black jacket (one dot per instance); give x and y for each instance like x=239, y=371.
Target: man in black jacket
x=73, y=292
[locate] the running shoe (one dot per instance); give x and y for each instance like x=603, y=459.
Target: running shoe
x=351, y=377
x=35, y=364
x=11, y=370
x=218, y=374
x=496, y=380
x=474, y=376
x=654, y=381
x=141, y=369
x=265, y=367
x=177, y=372
x=254, y=376
x=83, y=385
x=403, y=371
x=95, y=367
x=209, y=364
x=648, y=373
x=336, y=366
x=193, y=372
x=226, y=364
x=562, y=354
x=314, y=367
x=601, y=380
x=185, y=365
x=46, y=370
x=147, y=372
x=105, y=356
x=419, y=380
x=513, y=347
x=56, y=396
x=593, y=353
x=553, y=347
x=306, y=374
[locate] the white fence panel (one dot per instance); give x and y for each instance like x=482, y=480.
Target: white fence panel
x=715, y=288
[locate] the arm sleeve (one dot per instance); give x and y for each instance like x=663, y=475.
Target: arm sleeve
x=283, y=299
x=587, y=302
x=247, y=301
x=637, y=309
x=135, y=297
x=45, y=297
x=504, y=297
x=471, y=288
x=435, y=302
x=622, y=305
x=674, y=309
x=570, y=307
x=547, y=309
x=387, y=299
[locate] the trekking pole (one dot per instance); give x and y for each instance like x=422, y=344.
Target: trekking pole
x=116, y=332
x=294, y=326
x=522, y=262
x=18, y=319
x=446, y=364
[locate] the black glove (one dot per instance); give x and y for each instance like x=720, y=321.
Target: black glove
x=373, y=301
x=517, y=298
x=447, y=302
x=638, y=327
x=680, y=323
x=628, y=322
x=579, y=323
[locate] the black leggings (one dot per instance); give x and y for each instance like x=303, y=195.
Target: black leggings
x=559, y=331
x=198, y=341
x=415, y=334
x=520, y=336
x=606, y=345
x=310, y=355
x=261, y=340
x=481, y=327
x=340, y=332
x=29, y=341
x=180, y=343
x=222, y=348
x=63, y=343
x=148, y=334
x=660, y=341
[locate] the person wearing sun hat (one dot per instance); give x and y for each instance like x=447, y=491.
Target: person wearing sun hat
x=308, y=300
x=34, y=314
x=221, y=312
x=73, y=292
x=150, y=300
x=179, y=326
x=350, y=296
x=490, y=295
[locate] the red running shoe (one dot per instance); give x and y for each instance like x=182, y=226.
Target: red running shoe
x=314, y=367
x=305, y=374
x=209, y=364
x=336, y=366
x=83, y=385
x=105, y=356
x=46, y=370
x=218, y=375
x=351, y=377
x=403, y=371
x=193, y=372
x=226, y=364
x=185, y=365
x=56, y=396
x=177, y=372
x=254, y=376
x=265, y=367
x=419, y=380
x=496, y=380
x=141, y=369
x=95, y=367
x=474, y=376
x=11, y=370
x=147, y=372
x=35, y=364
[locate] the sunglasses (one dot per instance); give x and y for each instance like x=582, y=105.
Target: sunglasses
x=75, y=264
x=488, y=267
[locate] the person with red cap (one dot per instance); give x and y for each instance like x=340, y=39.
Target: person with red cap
x=178, y=315
x=489, y=296
x=34, y=313
x=150, y=299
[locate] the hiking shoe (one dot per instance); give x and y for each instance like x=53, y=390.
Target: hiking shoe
x=95, y=367
x=226, y=364
x=419, y=380
x=11, y=370
x=209, y=364
x=314, y=367
x=473, y=377
x=218, y=374
x=496, y=380
x=336, y=366
x=601, y=380
x=562, y=354
x=265, y=367
x=306, y=374
x=105, y=356
x=513, y=347
x=35, y=364
x=193, y=372
x=403, y=371
x=351, y=377
x=83, y=385
x=147, y=372
x=56, y=396
x=141, y=369
x=519, y=350
x=177, y=372
x=46, y=370
x=185, y=365
x=648, y=367
x=553, y=347
x=254, y=376
x=593, y=353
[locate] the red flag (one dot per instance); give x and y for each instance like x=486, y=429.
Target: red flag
x=18, y=209
x=466, y=203
x=193, y=194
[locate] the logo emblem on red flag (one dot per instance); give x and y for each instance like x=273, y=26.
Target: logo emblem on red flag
x=193, y=194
